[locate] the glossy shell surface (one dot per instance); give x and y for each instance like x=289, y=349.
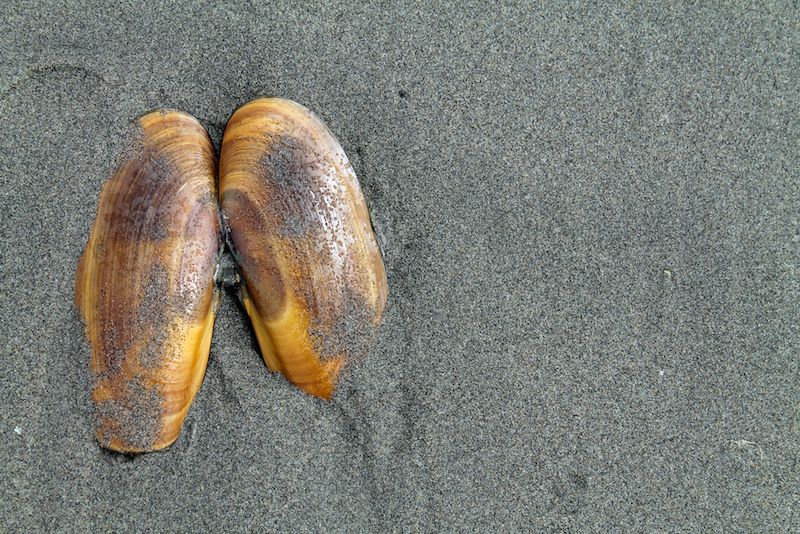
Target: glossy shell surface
x=145, y=287
x=315, y=285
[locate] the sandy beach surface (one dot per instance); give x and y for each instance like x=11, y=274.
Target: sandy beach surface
x=590, y=220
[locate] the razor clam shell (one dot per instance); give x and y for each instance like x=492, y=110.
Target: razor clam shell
x=144, y=285
x=315, y=285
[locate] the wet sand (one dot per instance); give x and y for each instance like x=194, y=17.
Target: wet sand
x=590, y=226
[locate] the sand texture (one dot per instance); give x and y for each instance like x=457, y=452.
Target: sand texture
x=591, y=228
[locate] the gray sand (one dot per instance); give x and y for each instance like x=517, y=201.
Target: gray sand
x=590, y=222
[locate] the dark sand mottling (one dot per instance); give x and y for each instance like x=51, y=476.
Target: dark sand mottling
x=132, y=417
x=590, y=223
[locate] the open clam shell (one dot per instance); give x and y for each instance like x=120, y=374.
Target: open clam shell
x=315, y=284
x=145, y=287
